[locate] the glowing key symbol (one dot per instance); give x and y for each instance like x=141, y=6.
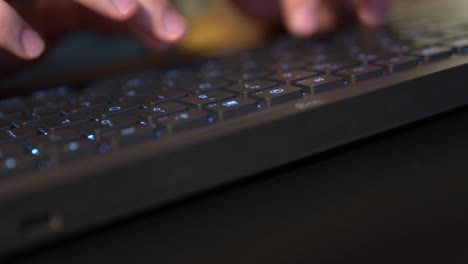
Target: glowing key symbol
x=230, y=103
x=204, y=86
x=252, y=86
x=203, y=96
x=287, y=75
x=184, y=116
x=277, y=91
x=106, y=122
x=158, y=109
x=359, y=69
x=66, y=121
x=114, y=108
x=319, y=79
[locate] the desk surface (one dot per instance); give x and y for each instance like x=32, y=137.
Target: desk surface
x=402, y=195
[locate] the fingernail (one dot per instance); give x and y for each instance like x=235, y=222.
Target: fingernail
x=32, y=43
x=124, y=5
x=305, y=20
x=174, y=25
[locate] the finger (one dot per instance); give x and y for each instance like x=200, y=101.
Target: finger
x=302, y=16
x=372, y=12
x=151, y=43
x=114, y=9
x=157, y=18
x=16, y=36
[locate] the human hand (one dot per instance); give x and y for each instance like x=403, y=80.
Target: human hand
x=307, y=17
x=27, y=26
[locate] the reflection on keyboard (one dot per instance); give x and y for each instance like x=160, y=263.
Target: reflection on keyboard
x=58, y=125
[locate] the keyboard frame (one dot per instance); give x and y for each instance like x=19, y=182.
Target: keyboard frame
x=92, y=192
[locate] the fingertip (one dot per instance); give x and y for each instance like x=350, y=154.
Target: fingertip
x=174, y=26
x=303, y=21
x=32, y=44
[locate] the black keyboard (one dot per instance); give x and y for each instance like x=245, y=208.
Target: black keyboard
x=140, y=140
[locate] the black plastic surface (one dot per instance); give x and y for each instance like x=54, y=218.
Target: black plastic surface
x=398, y=198
x=93, y=192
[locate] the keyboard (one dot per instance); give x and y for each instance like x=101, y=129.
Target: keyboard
x=76, y=156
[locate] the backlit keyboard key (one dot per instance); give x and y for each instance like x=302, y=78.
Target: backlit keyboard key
x=435, y=53
x=184, y=120
x=286, y=77
x=232, y=107
x=61, y=122
x=104, y=111
x=321, y=83
x=399, y=63
x=252, y=86
x=163, y=96
x=209, y=97
x=153, y=112
x=362, y=72
x=278, y=94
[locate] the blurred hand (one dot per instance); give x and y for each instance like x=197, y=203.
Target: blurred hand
x=307, y=17
x=27, y=25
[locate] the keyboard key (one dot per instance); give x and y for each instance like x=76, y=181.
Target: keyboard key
x=31, y=118
x=83, y=105
x=330, y=67
x=209, y=97
x=183, y=120
x=321, y=83
x=286, y=66
x=104, y=111
x=96, y=130
x=163, y=96
x=369, y=56
x=61, y=122
x=65, y=135
x=204, y=86
x=132, y=93
x=287, y=77
x=362, y=72
x=399, y=63
x=130, y=135
x=232, y=107
x=460, y=45
x=151, y=113
x=251, y=86
x=40, y=143
x=17, y=133
x=278, y=94
x=434, y=53
x=253, y=74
